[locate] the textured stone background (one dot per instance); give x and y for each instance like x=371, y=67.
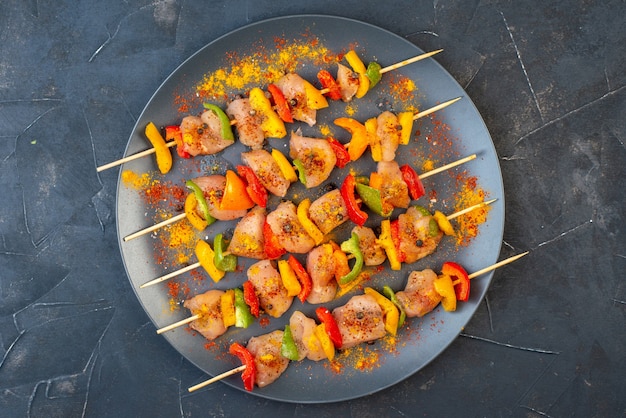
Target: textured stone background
x=549, y=81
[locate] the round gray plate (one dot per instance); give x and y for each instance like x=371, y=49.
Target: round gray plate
x=421, y=340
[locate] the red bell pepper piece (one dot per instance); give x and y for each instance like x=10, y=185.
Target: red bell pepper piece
x=324, y=315
x=273, y=248
x=251, y=299
x=281, y=105
x=249, y=374
x=255, y=189
x=460, y=279
x=395, y=237
x=328, y=82
x=413, y=182
x=355, y=213
x=306, y=283
x=343, y=157
x=173, y=133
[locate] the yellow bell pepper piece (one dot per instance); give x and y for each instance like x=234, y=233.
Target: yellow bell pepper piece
x=405, y=119
x=359, y=68
x=192, y=216
x=371, y=125
x=444, y=223
x=205, y=255
x=285, y=166
x=272, y=125
x=227, y=306
x=303, y=216
x=163, y=154
x=359, y=141
x=386, y=242
x=314, y=98
x=390, y=311
x=289, y=278
x=443, y=285
x=327, y=344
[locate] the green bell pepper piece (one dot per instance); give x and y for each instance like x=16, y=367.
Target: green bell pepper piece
x=392, y=297
x=227, y=130
x=373, y=73
x=301, y=172
x=243, y=317
x=371, y=197
x=422, y=210
x=204, y=207
x=351, y=246
x=288, y=347
x=433, y=227
x=221, y=261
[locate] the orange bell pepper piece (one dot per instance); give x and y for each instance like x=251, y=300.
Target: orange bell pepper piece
x=235, y=196
x=359, y=141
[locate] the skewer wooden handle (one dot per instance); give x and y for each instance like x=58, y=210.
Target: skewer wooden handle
x=447, y=166
x=170, y=275
x=155, y=227
x=217, y=378
x=178, y=324
x=132, y=157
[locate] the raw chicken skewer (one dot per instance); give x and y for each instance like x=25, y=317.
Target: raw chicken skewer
x=182, y=215
x=151, y=151
x=243, y=367
x=196, y=265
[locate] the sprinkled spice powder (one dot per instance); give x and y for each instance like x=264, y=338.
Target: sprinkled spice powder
x=262, y=67
x=468, y=195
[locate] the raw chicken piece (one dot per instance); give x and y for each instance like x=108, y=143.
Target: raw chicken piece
x=213, y=189
x=249, y=129
x=359, y=320
x=268, y=285
x=267, y=171
x=320, y=264
x=285, y=225
x=270, y=364
x=388, y=134
x=292, y=86
x=414, y=230
x=328, y=211
x=316, y=155
x=393, y=189
x=303, y=333
x=373, y=253
x=348, y=82
x=248, y=235
x=419, y=296
x=201, y=135
x=207, y=305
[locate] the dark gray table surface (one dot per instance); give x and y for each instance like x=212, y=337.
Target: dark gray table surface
x=548, y=78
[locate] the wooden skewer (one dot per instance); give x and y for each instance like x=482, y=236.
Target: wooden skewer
x=170, y=275
x=471, y=208
x=498, y=264
x=447, y=166
x=155, y=227
x=400, y=64
x=178, y=324
x=132, y=157
x=435, y=108
x=243, y=367
x=218, y=377
x=234, y=122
